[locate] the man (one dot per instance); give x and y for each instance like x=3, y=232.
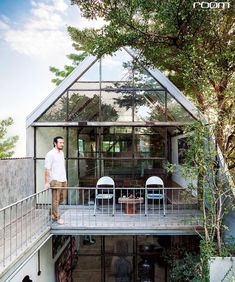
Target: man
x=55, y=176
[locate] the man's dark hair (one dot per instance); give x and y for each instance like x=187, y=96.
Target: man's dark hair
x=55, y=140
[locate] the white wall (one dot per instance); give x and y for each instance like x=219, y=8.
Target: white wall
x=222, y=269
x=46, y=266
x=176, y=176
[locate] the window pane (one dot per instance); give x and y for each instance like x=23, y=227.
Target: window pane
x=84, y=86
x=83, y=106
x=83, y=142
x=150, y=106
x=92, y=74
x=116, y=142
x=113, y=66
x=149, y=142
x=116, y=106
x=88, y=172
x=176, y=112
x=119, y=244
x=89, y=245
x=44, y=139
x=119, y=268
x=88, y=268
x=57, y=112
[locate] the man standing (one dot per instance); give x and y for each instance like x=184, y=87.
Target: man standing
x=55, y=176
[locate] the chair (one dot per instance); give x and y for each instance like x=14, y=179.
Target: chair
x=103, y=191
x=151, y=194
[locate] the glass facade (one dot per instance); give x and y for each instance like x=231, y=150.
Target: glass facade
x=129, y=258
x=118, y=91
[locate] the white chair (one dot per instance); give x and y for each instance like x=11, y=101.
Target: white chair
x=154, y=194
x=105, y=190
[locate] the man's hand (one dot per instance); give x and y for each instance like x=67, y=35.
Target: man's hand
x=47, y=174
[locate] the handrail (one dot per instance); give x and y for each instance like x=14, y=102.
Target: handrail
x=118, y=188
x=25, y=220
x=22, y=200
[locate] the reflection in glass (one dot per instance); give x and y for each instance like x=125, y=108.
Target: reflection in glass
x=89, y=268
x=83, y=106
x=176, y=112
x=83, y=142
x=119, y=268
x=88, y=172
x=116, y=142
x=57, y=112
x=113, y=244
x=87, y=249
x=149, y=142
x=116, y=110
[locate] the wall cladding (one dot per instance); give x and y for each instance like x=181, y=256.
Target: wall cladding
x=16, y=180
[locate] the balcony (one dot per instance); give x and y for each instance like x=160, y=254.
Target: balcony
x=26, y=222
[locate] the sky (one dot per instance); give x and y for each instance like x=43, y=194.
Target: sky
x=33, y=37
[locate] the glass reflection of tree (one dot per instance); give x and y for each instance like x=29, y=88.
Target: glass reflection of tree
x=145, y=91
x=140, y=90
x=79, y=107
x=86, y=108
x=57, y=112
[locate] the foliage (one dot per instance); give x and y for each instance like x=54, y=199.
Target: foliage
x=61, y=74
x=183, y=268
x=194, y=46
x=79, y=107
x=6, y=143
x=213, y=188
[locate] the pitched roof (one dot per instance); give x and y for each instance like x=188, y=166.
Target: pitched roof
x=86, y=64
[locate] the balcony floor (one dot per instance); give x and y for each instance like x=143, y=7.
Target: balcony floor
x=22, y=234
x=81, y=220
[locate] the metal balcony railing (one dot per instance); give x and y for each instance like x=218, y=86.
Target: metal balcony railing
x=181, y=209
x=24, y=222
x=21, y=224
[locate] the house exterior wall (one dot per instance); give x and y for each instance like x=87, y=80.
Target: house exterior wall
x=222, y=269
x=30, y=141
x=17, y=180
x=176, y=176
x=31, y=267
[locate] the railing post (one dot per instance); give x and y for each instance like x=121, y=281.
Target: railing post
x=21, y=227
x=16, y=228
x=4, y=237
x=10, y=232
x=31, y=210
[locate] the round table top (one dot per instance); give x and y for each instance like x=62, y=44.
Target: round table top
x=126, y=200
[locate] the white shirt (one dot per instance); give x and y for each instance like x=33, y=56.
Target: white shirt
x=54, y=162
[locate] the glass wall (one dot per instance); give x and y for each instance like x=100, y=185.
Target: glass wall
x=119, y=91
x=130, y=258
x=124, y=153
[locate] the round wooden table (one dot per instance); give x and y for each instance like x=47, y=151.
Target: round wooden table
x=130, y=203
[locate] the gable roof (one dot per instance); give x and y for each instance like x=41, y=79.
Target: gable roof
x=86, y=64
x=60, y=89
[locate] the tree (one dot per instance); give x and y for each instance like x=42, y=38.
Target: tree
x=214, y=192
x=195, y=46
x=61, y=74
x=6, y=143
